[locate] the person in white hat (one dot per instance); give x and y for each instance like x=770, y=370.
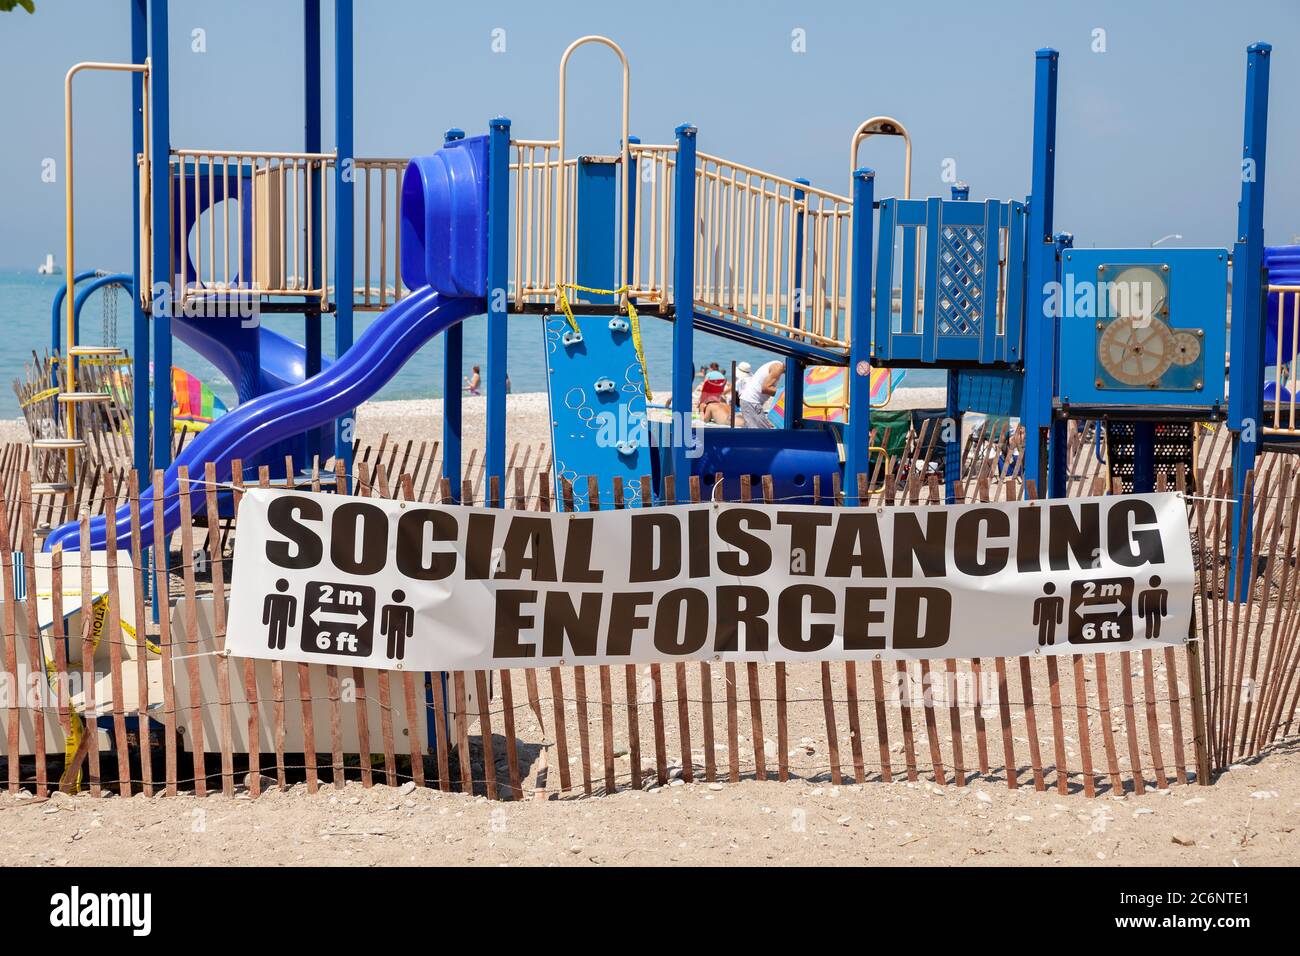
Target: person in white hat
x=741, y=375
x=743, y=371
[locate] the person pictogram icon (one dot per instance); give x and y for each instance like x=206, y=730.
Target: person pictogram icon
x=279, y=613
x=1049, y=611
x=397, y=623
x=1153, y=605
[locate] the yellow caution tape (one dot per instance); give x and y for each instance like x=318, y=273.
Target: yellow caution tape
x=76, y=727
x=633, y=319
x=113, y=360
x=40, y=397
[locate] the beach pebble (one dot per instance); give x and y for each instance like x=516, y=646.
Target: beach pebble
x=264, y=782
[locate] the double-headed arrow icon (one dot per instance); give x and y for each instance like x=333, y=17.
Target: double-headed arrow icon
x=1110, y=608
x=355, y=618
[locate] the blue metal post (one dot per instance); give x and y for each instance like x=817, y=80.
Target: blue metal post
x=453, y=371
x=684, y=306
x=857, y=431
x=629, y=204
x=1040, y=267
x=952, y=445
x=498, y=316
x=1144, y=457
x=952, y=410
x=1246, y=344
x=344, y=174
x=160, y=188
x=139, y=318
x=1058, y=465
x=793, y=367
x=311, y=144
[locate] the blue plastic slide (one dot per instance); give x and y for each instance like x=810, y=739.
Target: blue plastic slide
x=378, y=353
x=444, y=258
x=254, y=364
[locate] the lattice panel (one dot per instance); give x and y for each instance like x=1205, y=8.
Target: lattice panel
x=961, y=281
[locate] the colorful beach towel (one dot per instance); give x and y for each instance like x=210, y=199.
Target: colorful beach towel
x=826, y=393
x=194, y=405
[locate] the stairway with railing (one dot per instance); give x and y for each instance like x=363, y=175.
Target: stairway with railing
x=772, y=254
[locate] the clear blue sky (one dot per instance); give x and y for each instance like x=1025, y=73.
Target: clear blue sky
x=1149, y=137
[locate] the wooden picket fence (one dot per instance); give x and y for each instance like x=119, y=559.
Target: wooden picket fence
x=182, y=715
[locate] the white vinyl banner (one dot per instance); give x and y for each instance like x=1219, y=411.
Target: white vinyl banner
x=387, y=584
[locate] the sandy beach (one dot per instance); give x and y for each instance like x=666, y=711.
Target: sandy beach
x=526, y=418
x=1248, y=817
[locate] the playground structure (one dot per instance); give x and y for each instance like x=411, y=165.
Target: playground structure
x=597, y=245
x=600, y=243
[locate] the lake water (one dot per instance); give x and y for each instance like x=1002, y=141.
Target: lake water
x=25, y=300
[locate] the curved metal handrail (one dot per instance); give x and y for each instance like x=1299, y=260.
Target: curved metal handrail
x=560, y=206
x=884, y=126
x=122, y=279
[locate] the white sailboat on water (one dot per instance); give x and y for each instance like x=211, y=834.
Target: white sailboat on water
x=48, y=267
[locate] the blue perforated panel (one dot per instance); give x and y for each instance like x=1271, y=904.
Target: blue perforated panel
x=597, y=401
x=949, y=284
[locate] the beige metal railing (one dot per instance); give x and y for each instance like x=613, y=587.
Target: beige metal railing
x=535, y=171
x=750, y=264
x=652, y=214
x=262, y=237
x=275, y=248
x=1282, y=420
x=377, y=189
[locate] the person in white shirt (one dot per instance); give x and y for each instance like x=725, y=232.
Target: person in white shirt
x=756, y=390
